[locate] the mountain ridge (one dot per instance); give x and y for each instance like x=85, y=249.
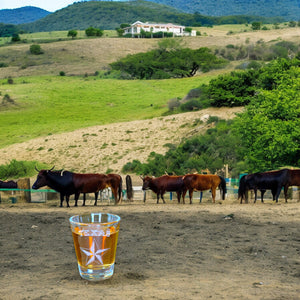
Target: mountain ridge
x=22, y=15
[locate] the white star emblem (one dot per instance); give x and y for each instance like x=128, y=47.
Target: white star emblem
x=93, y=253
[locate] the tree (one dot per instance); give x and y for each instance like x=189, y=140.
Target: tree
x=120, y=31
x=36, y=49
x=15, y=38
x=72, y=33
x=189, y=30
x=168, y=61
x=270, y=126
x=256, y=25
x=91, y=31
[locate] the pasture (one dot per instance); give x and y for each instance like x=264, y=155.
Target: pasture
x=165, y=251
x=48, y=105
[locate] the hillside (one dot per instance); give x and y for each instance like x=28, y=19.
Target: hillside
x=111, y=146
x=288, y=9
x=110, y=14
x=99, y=148
x=22, y=15
x=104, y=15
x=86, y=56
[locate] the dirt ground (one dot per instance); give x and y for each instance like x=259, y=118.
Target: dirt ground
x=165, y=251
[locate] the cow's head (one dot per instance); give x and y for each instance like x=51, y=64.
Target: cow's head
x=41, y=179
x=146, y=182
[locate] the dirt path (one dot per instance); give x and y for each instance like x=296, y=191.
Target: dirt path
x=166, y=251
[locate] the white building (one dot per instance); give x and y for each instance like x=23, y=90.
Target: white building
x=177, y=30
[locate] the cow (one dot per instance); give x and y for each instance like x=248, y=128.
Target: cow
x=69, y=183
x=162, y=184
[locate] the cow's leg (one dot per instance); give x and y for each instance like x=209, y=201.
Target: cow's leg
x=84, y=198
x=262, y=192
x=286, y=188
x=255, y=195
x=178, y=196
x=162, y=196
x=278, y=193
x=61, y=199
x=191, y=195
x=183, y=195
x=67, y=199
x=213, y=194
x=77, y=197
x=157, y=196
x=246, y=196
x=96, y=198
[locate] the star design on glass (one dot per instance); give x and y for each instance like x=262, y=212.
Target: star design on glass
x=94, y=253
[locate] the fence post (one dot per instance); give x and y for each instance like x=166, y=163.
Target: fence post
x=24, y=184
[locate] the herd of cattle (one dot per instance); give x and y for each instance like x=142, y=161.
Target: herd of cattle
x=68, y=183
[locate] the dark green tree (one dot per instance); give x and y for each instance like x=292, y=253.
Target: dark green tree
x=36, y=49
x=256, y=25
x=168, y=61
x=91, y=31
x=15, y=38
x=72, y=33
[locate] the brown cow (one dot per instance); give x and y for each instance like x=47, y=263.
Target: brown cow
x=165, y=183
x=201, y=182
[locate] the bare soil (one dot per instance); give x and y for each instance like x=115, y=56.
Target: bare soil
x=170, y=251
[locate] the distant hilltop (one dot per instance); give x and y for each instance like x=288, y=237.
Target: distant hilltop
x=110, y=14
x=22, y=15
x=287, y=9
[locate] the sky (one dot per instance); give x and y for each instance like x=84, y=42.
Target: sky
x=49, y=5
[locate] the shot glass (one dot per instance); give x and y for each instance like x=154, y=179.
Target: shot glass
x=95, y=238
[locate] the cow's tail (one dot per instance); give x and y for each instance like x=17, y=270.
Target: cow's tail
x=129, y=190
x=120, y=189
x=242, y=188
x=222, y=187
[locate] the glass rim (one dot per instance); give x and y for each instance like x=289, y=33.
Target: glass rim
x=72, y=221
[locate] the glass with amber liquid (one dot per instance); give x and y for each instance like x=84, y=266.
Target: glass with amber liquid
x=95, y=239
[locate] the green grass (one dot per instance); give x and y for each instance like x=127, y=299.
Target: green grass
x=47, y=105
x=52, y=36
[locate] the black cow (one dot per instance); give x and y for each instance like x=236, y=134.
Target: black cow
x=61, y=182
x=272, y=180
x=8, y=184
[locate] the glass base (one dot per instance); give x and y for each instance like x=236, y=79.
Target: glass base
x=98, y=274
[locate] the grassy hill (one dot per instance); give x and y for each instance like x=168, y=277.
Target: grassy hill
x=110, y=14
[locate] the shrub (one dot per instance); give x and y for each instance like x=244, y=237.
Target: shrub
x=91, y=31
x=17, y=169
x=72, y=33
x=15, y=38
x=36, y=49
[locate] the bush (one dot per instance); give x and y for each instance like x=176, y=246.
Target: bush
x=36, y=49
x=91, y=31
x=72, y=33
x=17, y=169
x=15, y=38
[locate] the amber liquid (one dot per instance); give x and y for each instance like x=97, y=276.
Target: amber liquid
x=95, y=252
